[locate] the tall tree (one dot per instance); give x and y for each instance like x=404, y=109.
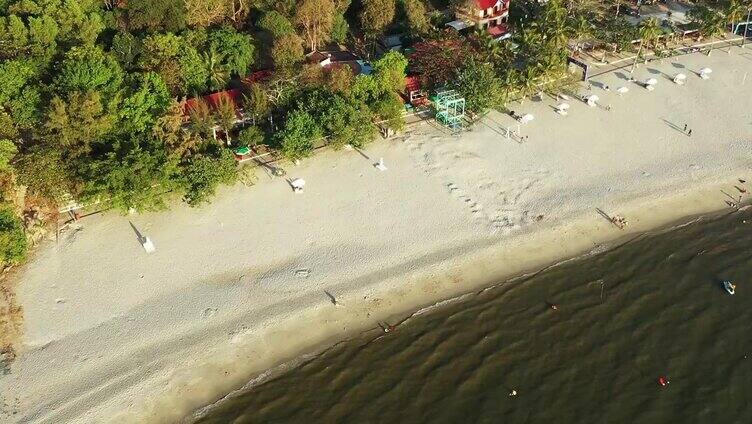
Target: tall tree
x=439, y=61
x=256, y=101
x=156, y=15
x=480, y=86
x=298, y=135
x=217, y=71
x=287, y=51
x=202, y=120
x=133, y=175
x=78, y=122
x=417, y=16
x=204, y=13
x=236, y=49
x=316, y=18
x=147, y=97
x=650, y=31
x=226, y=115
x=376, y=16
x=205, y=172
x=168, y=130
x=276, y=24
x=89, y=68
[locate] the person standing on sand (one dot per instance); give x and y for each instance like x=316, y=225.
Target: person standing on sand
x=690, y=132
x=685, y=127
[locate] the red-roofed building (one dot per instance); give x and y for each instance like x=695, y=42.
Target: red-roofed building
x=491, y=15
x=258, y=76
x=235, y=97
x=414, y=93
x=212, y=100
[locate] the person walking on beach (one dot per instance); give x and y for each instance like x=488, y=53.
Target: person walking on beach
x=690, y=132
x=685, y=127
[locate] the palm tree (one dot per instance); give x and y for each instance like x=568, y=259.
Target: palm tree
x=747, y=5
x=734, y=12
x=527, y=81
x=256, y=101
x=218, y=72
x=650, y=31
x=711, y=21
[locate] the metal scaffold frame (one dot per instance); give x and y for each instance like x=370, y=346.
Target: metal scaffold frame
x=450, y=108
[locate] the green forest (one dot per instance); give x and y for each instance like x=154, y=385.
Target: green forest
x=92, y=92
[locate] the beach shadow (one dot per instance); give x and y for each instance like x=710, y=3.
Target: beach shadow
x=678, y=65
x=734, y=202
x=622, y=75
x=331, y=298
x=501, y=132
x=289, y=182
x=140, y=237
x=606, y=216
x=361, y=153
x=657, y=72
x=270, y=170
x=674, y=126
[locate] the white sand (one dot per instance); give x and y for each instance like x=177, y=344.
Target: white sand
x=115, y=334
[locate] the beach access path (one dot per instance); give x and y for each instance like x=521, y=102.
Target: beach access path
x=238, y=286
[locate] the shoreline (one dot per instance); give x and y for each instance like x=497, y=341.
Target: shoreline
x=469, y=287
x=404, y=317
x=238, y=287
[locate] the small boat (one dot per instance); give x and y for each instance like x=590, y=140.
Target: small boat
x=730, y=288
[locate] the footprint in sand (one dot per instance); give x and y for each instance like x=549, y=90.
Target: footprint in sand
x=60, y=300
x=210, y=312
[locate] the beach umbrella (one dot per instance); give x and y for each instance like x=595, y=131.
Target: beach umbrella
x=526, y=118
x=705, y=73
x=680, y=76
x=297, y=185
x=562, y=106
x=622, y=90
x=651, y=81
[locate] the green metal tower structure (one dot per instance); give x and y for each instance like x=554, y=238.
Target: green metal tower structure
x=450, y=108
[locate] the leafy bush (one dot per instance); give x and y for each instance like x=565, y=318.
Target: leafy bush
x=251, y=136
x=297, y=138
x=12, y=237
x=205, y=172
x=480, y=86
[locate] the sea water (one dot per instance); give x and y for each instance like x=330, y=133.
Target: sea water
x=651, y=307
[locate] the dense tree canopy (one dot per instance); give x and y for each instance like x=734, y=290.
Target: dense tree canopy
x=93, y=94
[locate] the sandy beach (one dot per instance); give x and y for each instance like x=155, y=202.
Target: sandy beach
x=113, y=334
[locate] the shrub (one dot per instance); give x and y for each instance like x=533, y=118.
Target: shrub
x=205, y=172
x=251, y=136
x=12, y=237
x=298, y=135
